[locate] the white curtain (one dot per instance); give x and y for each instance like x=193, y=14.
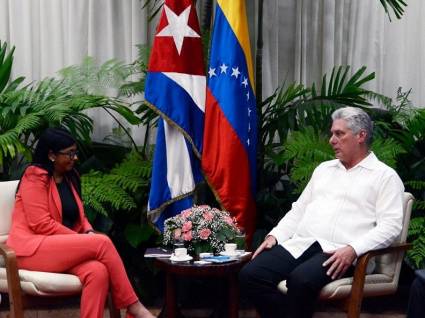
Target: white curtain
x=303, y=39
x=52, y=34
x=306, y=38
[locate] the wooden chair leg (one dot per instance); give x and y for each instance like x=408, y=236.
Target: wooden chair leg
x=14, y=287
x=356, y=296
x=15, y=303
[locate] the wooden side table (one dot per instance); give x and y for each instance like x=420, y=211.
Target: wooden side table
x=228, y=271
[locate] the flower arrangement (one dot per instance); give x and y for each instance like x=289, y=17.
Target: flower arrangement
x=201, y=229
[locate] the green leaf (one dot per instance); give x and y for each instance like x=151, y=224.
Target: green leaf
x=5, y=65
x=115, y=191
x=397, y=7
x=136, y=234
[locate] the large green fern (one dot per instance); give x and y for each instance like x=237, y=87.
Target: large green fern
x=416, y=234
x=127, y=81
x=307, y=149
x=106, y=193
x=26, y=111
x=91, y=78
x=399, y=120
x=294, y=106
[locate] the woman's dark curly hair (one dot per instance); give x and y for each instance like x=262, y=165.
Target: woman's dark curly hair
x=55, y=139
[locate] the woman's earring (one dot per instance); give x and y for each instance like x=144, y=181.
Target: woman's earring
x=52, y=160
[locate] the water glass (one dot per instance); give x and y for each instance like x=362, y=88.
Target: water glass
x=177, y=244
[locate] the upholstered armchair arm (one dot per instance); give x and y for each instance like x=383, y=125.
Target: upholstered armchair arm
x=13, y=281
x=356, y=295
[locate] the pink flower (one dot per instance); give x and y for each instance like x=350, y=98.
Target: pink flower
x=208, y=216
x=204, y=233
x=186, y=213
x=187, y=236
x=177, y=234
x=187, y=226
x=228, y=220
x=204, y=206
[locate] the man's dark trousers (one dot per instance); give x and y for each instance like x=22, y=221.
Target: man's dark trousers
x=305, y=277
x=416, y=307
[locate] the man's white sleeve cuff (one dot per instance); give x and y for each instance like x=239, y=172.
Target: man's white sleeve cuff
x=359, y=248
x=278, y=235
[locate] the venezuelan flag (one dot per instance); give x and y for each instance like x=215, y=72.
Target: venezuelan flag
x=230, y=131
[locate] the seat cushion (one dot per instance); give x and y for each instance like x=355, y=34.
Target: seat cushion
x=44, y=283
x=375, y=284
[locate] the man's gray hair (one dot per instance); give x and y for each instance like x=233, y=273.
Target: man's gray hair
x=357, y=119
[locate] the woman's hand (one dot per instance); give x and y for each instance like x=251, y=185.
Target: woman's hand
x=268, y=243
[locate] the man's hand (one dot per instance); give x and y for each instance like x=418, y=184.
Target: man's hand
x=340, y=260
x=268, y=243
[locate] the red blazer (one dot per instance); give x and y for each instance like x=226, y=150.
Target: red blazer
x=38, y=212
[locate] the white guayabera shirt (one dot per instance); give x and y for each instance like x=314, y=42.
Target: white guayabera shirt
x=361, y=207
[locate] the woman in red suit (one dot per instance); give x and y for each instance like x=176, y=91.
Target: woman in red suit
x=51, y=233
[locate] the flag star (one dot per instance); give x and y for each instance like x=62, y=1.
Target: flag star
x=223, y=68
x=249, y=112
x=211, y=72
x=178, y=27
x=245, y=82
x=235, y=72
x=249, y=126
x=247, y=96
x=247, y=141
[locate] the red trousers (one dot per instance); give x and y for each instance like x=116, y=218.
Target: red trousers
x=91, y=257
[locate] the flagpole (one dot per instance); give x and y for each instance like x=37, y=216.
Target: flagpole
x=259, y=91
x=206, y=16
x=259, y=57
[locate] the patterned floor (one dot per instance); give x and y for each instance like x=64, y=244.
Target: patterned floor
x=385, y=307
x=195, y=313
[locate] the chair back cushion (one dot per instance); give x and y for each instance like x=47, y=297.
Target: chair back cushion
x=390, y=264
x=7, y=202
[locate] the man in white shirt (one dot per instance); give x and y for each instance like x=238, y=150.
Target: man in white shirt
x=351, y=205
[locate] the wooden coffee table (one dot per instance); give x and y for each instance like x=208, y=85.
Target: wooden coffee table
x=228, y=271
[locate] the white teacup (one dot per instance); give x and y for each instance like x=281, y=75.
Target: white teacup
x=230, y=248
x=180, y=252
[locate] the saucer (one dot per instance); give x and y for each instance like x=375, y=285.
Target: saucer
x=204, y=255
x=181, y=259
x=230, y=254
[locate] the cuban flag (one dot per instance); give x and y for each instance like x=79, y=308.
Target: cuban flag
x=175, y=88
x=230, y=135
